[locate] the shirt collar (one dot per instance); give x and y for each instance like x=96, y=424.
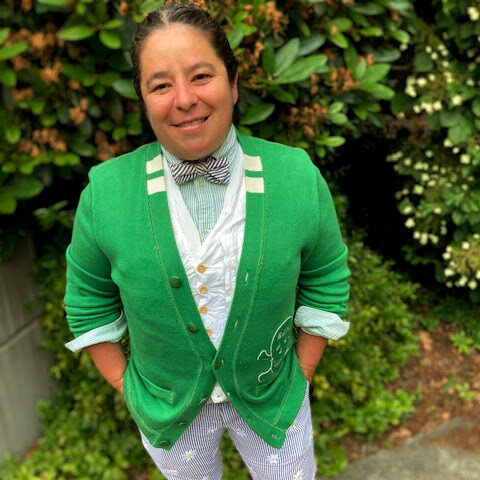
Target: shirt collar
x=227, y=149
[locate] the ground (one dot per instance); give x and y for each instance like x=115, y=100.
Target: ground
x=449, y=383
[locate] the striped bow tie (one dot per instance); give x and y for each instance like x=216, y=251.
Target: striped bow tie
x=213, y=169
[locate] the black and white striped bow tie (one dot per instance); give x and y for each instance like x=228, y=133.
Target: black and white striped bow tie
x=214, y=169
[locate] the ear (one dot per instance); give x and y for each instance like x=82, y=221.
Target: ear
x=235, y=89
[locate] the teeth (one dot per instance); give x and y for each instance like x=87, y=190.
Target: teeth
x=189, y=124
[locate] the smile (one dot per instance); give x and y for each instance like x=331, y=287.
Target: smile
x=192, y=123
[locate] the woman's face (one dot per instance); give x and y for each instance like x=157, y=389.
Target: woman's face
x=188, y=97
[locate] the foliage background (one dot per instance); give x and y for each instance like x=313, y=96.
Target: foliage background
x=384, y=96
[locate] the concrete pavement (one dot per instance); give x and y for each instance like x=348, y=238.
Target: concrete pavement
x=449, y=452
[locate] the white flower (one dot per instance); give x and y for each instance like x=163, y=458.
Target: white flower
x=447, y=255
x=410, y=223
x=465, y=159
x=447, y=143
x=448, y=272
x=410, y=91
x=445, y=64
x=425, y=177
x=473, y=13
x=407, y=162
x=298, y=475
x=465, y=246
x=188, y=455
x=470, y=82
x=403, y=46
x=437, y=105
x=477, y=275
x=416, y=235
x=428, y=49
x=418, y=189
x=455, y=150
x=433, y=238
x=423, y=239
x=417, y=108
x=462, y=281
x=434, y=56
x=437, y=210
x=457, y=100
x=449, y=284
x=472, y=284
x=431, y=77
x=408, y=209
x=443, y=230
x=273, y=459
x=421, y=82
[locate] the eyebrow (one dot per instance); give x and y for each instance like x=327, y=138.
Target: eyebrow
x=165, y=74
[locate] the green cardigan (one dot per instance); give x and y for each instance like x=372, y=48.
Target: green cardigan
x=123, y=256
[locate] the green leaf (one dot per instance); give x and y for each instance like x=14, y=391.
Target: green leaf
x=110, y=39
x=333, y=141
x=310, y=44
x=268, y=59
x=450, y=118
x=387, y=55
x=338, y=118
x=149, y=6
x=76, y=33
x=37, y=106
x=335, y=107
x=302, y=69
x=423, y=62
x=459, y=133
x=286, y=55
x=368, y=9
x=341, y=23
x=351, y=56
x=8, y=203
x=13, y=50
x=400, y=103
x=376, y=72
x=339, y=40
x=12, y=134
x=25, y=187
x=372, y=32
x=114, y=23
x=4, y=32
x=124, y=86
x=235, y=37
x=401, y=35
x=282, y=95
x=84, y=149
x=257, y=113
x=7, y=76
x=377, y=90
x=55, y=3
x=65, y=159
x=476, y=107
x=360, y=69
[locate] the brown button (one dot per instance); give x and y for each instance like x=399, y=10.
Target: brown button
x=203, y=309
x=201, y=268
x=203, y=289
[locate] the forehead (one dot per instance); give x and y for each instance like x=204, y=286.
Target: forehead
x=176, y=43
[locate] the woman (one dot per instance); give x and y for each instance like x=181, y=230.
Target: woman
x=211, y=246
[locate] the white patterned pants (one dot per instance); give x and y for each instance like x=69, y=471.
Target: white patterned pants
x=196, y=454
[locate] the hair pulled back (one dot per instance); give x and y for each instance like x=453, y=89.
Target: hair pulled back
x=184, y=15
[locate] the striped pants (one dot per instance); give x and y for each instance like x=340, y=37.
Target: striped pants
x=196, y=454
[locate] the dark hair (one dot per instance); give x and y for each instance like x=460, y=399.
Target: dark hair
x=185, y=15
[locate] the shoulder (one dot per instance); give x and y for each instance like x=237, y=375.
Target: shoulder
x=125, y=166
x=277, y=156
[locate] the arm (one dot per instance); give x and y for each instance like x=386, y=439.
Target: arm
x=323, y=284
x=309, y=352
x=110, y=361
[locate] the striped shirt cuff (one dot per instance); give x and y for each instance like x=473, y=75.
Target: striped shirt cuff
x=320, y=323
x=112, y=332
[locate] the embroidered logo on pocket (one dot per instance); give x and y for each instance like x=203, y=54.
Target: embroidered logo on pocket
x=279, y=347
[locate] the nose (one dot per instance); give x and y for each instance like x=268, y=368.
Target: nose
x=185, y=96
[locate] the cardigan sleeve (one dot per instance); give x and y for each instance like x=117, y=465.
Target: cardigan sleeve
x=92, y=302
x=323, y=281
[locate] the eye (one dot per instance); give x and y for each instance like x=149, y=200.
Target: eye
x=160, y=87
x=201, y=77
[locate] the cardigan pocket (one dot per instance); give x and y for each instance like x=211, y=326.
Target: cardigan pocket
x=157, y=391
